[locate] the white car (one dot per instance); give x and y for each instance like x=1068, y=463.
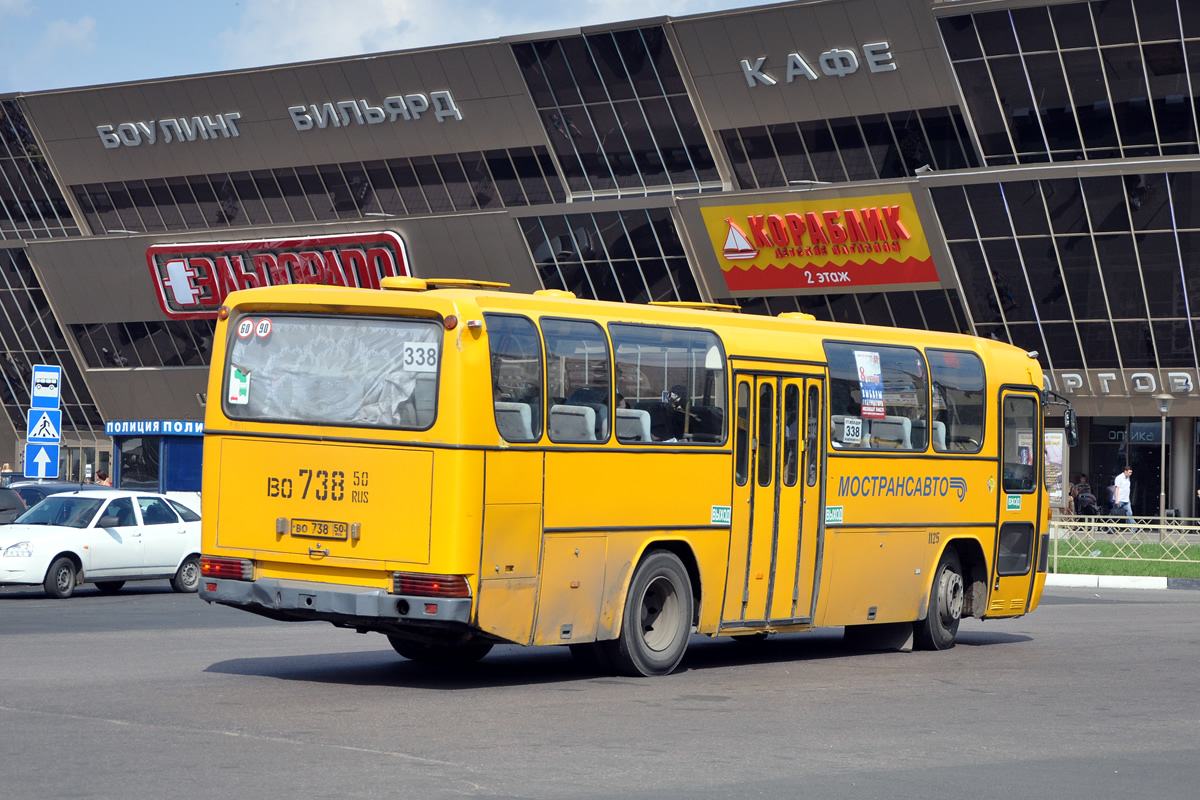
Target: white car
x=103, y=537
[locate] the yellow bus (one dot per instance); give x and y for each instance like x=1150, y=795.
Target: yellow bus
x=455, y=466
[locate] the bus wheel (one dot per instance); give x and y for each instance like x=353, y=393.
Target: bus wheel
x=467, y=653
x=940, y=626
x=658, y=617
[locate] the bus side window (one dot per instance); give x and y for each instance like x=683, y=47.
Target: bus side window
x=671, y=379
x=791, y=434
x=766, y=433
x=959, y=400
x=578, y=378
x=516, y=358
x=810, y=438
x=878, y=397
x=742, y=434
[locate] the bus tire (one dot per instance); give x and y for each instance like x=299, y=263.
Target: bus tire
x=658, y=617
x=446, y=654
x=940, y=626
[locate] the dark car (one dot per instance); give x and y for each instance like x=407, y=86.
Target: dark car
x=34, y=491
x=11, y=505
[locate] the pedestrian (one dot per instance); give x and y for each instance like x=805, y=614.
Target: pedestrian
x=1121, y=494
x=102, y=478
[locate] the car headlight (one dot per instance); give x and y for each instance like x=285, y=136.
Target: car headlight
x=19, y=550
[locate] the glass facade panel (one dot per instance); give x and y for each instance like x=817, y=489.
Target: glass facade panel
x=1033, y=28
x=1114, y=21
x=1012, y=84
x=822, y=151
x=616, y=110
x=1136, y=345
x=1173, y=340
x=1023, y=199
x=792, y=158
x=351, y=190
x=293, y=195
x=996, y=33
x=1063, y=345
x=29, y=335
x=272, y=197
x=853, y=150
x=848, y=148
x=987, y=206
x=1128, y=93
x=958, y=33
x=949, y=201
x=1073, y=25
x=633, y=256
x=31, y=204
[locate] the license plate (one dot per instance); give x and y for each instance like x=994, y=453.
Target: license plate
x=320, y=529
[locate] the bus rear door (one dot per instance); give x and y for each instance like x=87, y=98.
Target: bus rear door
x=776, y=505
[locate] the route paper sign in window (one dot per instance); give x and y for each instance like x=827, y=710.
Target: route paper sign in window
x=870, y=382
x=822, y=245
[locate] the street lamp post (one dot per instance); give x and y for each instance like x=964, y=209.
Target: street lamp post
x=1164, y=405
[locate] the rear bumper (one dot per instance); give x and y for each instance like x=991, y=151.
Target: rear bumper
x=348, y=606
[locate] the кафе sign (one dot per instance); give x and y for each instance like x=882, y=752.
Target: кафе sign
x=192, y=280
x=821, y=245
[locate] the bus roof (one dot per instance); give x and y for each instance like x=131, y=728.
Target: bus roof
x=742, y=333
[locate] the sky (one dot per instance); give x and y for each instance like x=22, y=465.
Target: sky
x=54, y=44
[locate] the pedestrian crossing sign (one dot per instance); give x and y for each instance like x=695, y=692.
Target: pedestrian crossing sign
x=45, y=425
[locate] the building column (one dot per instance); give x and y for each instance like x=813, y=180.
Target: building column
x=1181, y=493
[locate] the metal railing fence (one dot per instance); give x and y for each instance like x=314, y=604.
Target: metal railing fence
x=1115, y=538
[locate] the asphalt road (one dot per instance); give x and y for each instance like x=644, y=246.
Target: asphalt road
x=152, y=694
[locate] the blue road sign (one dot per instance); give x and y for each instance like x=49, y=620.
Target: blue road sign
x=46, y=388
x=41, y=461
x=45, y=425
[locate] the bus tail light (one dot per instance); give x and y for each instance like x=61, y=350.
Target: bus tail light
x=418, y=585
x=238, y=569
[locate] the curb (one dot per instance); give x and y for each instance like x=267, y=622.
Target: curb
x=1120, y=582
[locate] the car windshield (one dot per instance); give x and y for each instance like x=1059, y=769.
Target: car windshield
x=68, y=511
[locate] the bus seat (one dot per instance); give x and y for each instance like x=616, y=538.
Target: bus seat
x=707, y=423
x=891, y=433
x=939, y=435
x=632, y=425
x=514, y=420
x=601, y=412
x=572, y=424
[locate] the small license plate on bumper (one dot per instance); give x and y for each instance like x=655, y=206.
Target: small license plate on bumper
x=320, y=529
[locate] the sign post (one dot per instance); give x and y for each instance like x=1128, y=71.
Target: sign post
x=43, y=422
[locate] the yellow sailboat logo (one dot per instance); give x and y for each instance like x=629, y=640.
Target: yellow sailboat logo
x=737, y=246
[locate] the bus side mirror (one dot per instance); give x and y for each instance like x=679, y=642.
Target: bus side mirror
x=1071, y=424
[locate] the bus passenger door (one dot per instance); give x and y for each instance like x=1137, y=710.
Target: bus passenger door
x=1017, y=536
x=773, y=548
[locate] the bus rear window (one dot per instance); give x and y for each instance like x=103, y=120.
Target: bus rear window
x=358, y=371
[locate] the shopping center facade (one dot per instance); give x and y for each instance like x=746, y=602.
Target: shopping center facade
x=1026, y=171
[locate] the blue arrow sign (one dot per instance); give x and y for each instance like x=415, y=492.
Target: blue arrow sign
x=47, y=386
x=41, y=461
x=45, y=425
